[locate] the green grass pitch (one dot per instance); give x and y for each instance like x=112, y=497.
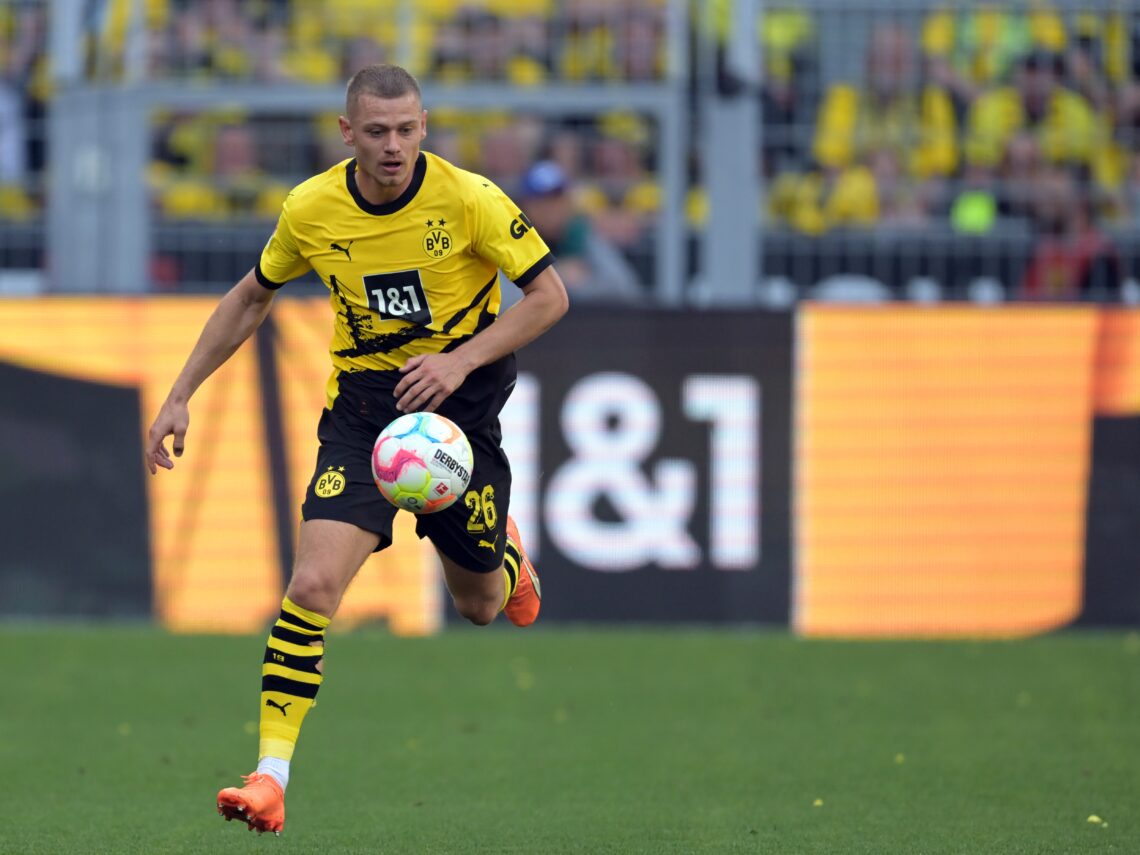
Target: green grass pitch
x=115, y=740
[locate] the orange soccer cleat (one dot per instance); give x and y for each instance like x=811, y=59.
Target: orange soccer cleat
x=260, y=803
x=522, y=608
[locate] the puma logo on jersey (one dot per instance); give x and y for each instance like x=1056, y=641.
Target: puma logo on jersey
x=489, y=544
x=344, y=249
x=269, y=702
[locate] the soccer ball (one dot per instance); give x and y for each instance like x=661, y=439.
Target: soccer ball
x=422, y=462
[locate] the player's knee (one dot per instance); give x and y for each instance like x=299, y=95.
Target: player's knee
x=313, y=592
x=479, y=610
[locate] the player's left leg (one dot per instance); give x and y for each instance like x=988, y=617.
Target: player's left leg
x=477, y=596
x=524, y=595
x=486, y=568
x=512, y=588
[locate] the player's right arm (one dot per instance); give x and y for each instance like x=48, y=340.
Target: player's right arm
x=238, y=314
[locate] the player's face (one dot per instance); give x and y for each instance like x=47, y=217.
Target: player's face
x=386, y=135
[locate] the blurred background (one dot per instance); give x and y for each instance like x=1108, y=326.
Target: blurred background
x=851, y=348
x=925, y=146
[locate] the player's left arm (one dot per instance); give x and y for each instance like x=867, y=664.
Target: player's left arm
x=429, y=378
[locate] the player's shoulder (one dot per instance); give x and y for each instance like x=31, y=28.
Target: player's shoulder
x=317, y=190
x=471, y=184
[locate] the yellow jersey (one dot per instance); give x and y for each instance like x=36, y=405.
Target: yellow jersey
x=1069, y=132
x=418, y=274
x=921, y=127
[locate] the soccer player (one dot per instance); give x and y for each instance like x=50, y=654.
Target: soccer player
x=410, y=247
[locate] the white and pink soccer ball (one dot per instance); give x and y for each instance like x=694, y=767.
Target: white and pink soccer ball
x=422, y=462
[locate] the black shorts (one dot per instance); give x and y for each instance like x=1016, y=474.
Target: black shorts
x=472, y=532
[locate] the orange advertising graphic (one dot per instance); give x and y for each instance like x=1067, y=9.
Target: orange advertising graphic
x=941, y=468
x=1117, y=367
x=216, y=563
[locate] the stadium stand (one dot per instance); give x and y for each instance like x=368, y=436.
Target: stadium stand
x=907, y=114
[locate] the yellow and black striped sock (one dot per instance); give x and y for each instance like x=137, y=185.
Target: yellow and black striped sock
x=511, y=563
x=290, y=677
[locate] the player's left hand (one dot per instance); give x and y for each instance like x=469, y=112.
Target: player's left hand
x=428, y=379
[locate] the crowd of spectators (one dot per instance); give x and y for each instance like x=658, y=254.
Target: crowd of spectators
x=1008, y=119
x=211, y=167
x=522, y=42
x=964, y=117
x=957, y=122
x=220, y=165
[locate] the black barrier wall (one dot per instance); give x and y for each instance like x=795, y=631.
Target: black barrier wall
x=1112, y=540
x=73, y=533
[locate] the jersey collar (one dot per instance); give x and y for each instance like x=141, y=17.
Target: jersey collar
x=396, y=204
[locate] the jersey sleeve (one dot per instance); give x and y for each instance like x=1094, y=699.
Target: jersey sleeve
x=281, y=260
x=502, y=234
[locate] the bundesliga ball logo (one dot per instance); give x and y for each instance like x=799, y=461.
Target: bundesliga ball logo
x=422, y=462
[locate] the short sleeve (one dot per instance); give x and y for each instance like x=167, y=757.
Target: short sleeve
x=503, y=235
x=281, y=260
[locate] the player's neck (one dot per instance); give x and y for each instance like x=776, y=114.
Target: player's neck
x=379, y=194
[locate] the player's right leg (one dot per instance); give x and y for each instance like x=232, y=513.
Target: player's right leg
x=328, y=556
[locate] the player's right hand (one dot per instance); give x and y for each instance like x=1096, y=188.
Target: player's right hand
x=172, y=420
